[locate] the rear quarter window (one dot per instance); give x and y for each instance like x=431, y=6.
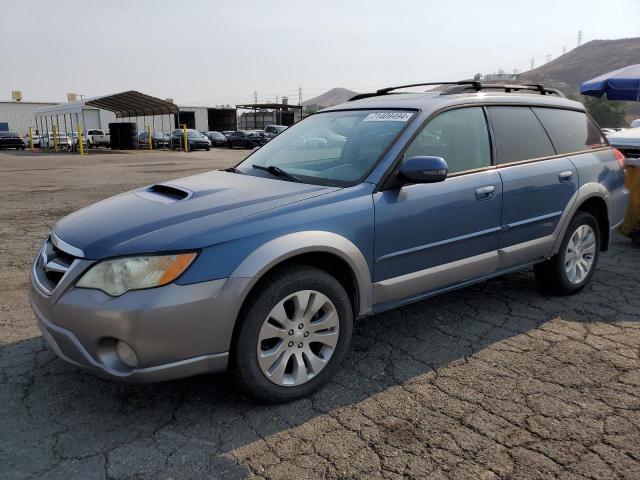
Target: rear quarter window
x=570, y=131
x=518, y=135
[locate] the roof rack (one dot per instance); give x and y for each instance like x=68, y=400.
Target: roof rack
x=507, y=88
x=464, y=86
x=384, y=91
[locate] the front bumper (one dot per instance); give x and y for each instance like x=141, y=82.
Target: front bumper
x=175, y=330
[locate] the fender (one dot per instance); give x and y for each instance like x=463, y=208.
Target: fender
x=586, y=191
x=287, y=246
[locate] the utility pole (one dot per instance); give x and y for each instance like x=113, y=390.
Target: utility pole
x=299, y=95
x=564, y=49
x=255, y=97
x=579, y=37
x=277, y=98
x=548, y=58
x=532, y=64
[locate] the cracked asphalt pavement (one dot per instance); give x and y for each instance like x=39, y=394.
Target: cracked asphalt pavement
x=493, y=381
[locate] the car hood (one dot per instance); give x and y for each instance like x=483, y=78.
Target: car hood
x=149, y=219
x=629, y=136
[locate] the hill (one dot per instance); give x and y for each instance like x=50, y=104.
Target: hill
x=582, y=63
x=330, y=98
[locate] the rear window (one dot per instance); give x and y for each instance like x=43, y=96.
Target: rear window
x=570, y=131
x=518, y=135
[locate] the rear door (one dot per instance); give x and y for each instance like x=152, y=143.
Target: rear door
x=537, y=183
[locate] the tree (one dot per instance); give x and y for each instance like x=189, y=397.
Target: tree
x=606, y=113
x=312, y=108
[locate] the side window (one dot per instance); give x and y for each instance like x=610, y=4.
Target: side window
x=518, y=135
x=570, y=131
x=459, y=136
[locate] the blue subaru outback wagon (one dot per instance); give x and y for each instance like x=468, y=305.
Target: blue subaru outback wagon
x=383, y=200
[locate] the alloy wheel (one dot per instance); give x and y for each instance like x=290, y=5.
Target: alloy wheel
x=298, y=338
x=580, y=253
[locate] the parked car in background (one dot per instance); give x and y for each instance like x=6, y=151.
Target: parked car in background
x=627, y=141
x=264, y=267
x=74, y=139
x=272, y=131
x=11, y=140
x=36, y=140
x=195, y=140
x=63, y=140
x=158, y=140
x=97, y=138
x=217, y=138
x=246, y=139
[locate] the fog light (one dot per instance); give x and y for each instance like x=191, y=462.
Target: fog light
x=126, y=354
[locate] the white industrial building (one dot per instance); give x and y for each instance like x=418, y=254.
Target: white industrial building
x=19, y=116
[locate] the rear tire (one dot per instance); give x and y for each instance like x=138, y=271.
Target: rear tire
x=573, y=266
x=308, y=342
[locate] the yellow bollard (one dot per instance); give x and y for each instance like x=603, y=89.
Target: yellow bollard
x=149, y=136
x=184, y=137
x=55, y=138
x=31, y=139
x=80, y=141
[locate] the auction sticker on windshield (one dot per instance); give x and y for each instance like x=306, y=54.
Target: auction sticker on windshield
x=388, y=117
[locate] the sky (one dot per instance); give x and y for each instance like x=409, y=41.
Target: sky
x=212, y=52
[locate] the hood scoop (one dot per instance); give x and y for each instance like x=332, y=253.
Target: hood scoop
x=163, y=193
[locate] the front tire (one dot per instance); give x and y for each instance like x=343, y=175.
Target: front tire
x=292, y=335
x=573, y=266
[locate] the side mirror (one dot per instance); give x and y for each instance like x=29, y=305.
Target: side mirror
x=424, y=169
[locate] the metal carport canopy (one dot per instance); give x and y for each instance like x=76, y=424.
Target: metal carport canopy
x=125, y=104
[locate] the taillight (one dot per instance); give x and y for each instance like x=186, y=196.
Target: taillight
x=619, y=156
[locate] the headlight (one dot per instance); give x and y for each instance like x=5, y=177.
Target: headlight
x=118, y=276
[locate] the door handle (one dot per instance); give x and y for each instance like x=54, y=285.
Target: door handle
x=485, y=193
x=565, y=176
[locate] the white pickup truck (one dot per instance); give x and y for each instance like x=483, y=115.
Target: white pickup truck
x=96, y=138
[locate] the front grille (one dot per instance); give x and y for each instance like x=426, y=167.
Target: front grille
x=52, y=265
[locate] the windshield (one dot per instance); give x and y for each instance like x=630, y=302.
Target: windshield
x=331, y=148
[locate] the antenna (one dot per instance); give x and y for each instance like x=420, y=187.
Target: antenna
x=299, y=95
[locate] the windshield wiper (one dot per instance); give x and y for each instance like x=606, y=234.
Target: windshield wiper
x=278, y=172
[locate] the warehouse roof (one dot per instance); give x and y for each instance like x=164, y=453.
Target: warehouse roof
x=125, y=104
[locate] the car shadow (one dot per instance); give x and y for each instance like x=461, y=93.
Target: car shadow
x=57, y=417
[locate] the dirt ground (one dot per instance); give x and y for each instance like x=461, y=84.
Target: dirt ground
x=492, y=381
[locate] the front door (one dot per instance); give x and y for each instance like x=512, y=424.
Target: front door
x=431, y=236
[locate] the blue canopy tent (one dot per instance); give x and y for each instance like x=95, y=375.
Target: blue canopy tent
x=622, y=84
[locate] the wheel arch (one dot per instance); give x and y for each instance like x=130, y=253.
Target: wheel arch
x=325, y=250
x=591, y=197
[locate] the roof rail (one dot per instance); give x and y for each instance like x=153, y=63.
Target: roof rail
x=384, y=91
x=507, y=88
x=464, y=86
